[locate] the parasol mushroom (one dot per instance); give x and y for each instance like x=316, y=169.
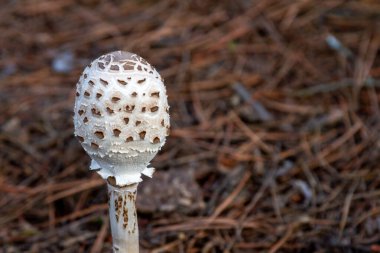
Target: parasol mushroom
x=121, y=118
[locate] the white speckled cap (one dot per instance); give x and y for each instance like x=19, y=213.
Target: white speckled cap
x=121, y=115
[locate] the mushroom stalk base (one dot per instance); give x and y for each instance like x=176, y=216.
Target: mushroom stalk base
x=123, y=218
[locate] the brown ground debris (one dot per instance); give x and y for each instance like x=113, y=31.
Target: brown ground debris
x=275, y=120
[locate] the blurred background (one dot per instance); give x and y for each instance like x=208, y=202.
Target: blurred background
x=275, y=120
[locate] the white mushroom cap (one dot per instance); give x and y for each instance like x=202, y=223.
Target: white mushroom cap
x=121, y=115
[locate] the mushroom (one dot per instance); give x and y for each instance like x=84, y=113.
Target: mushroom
x=121, y=119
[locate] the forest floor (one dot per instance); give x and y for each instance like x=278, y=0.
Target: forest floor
x=275, y=115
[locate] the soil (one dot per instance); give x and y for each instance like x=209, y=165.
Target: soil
x=275, y=120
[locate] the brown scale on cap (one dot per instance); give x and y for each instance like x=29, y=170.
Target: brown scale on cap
x=95, y=112
x=116, y=132
x=128, y=66
x=101, y=65
x=122, y=82
x=109, y=110
x=104, y=82
x=114, y=67
x=155, y=94
x=129, y=108
x=115, y=99
x=142, y=135
x=99, y=134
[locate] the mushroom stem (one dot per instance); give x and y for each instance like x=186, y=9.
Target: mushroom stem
x=123, y=218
